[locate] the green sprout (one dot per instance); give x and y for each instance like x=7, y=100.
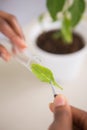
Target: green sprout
x=44, y=74
x=71, y=15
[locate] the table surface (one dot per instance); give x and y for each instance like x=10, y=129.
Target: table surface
x=24, y=99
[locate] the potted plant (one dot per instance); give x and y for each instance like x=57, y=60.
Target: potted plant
x=59, y=37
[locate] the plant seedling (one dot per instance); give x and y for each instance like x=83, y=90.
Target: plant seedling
x=44, y=74
x=71, y=15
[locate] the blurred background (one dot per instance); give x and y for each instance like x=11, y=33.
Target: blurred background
x=24, y=10
x=23, y=98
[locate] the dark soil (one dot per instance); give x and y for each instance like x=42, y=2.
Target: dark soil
x=48, y=43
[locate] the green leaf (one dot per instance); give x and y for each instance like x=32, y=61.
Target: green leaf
x=44, y=74
x=76, y=10
x=55, y=6
x=66, y=29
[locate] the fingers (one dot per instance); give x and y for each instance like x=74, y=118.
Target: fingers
x=76, y=128
x=12, y=21
x=8, y=31
x=4, y=53
x=10, y=28
x=79, y=118
x=62, y=114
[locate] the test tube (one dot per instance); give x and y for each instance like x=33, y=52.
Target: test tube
x=27, y=58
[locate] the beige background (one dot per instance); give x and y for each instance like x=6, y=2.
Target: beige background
x=24, y=10
x=23, y=98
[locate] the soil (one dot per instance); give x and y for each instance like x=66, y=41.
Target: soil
x=48, y=43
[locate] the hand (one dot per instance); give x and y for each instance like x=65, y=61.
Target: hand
x=10, y=28
x=67, y=117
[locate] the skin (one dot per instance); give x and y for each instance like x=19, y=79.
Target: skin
x=67, y=117
x=10, y=27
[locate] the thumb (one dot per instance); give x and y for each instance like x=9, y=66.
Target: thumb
x=62, y=114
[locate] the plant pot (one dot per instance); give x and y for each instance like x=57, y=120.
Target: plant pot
x=66, y=66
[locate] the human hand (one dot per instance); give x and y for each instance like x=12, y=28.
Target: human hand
x=67, y=117
x=10, y=28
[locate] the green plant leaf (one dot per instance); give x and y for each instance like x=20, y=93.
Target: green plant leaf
x=76, y=10
x=44, y=74
x=66, y=29
x=54, y=6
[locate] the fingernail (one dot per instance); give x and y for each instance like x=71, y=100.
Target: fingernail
x=59, y=100
x=22, y=43
x=19, y=42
